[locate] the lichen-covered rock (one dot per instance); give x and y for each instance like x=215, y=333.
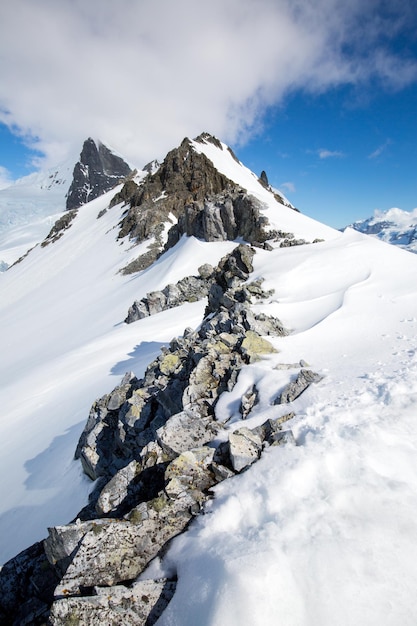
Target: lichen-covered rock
x=255, y=346
x=190, y=471
x=244, y=448
x=117, y=489
x=141, y=604
x=118, y=550
x=184, y=431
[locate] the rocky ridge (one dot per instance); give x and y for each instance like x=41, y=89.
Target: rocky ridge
x=155, y=448
x=187, y=195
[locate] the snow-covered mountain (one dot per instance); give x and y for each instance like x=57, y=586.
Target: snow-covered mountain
x=320, y=532
x=31, y=205
x=393, y=226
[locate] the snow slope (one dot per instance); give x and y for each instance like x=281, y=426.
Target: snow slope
x=318, y=534
x=29, y=208
x=393, y=226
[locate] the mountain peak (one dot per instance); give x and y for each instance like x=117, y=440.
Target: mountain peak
x=394, y=226
x=98, y=170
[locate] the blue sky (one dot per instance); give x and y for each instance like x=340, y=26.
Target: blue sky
x=322, y=95
x=338, y=157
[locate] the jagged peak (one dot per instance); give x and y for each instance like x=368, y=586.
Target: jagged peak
x=98, y=170
x=208, y=138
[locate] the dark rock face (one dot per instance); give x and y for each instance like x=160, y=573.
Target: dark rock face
x=188, y=189
x=97, y=171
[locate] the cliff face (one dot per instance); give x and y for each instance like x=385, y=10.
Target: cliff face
x=97, y=171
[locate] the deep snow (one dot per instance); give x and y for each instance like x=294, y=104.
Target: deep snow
x=318, y=534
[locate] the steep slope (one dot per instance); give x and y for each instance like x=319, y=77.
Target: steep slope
x=393, y=226
x=299, y=536
x=30, y=206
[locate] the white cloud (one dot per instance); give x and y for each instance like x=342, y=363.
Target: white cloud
x=288, y=187
x=142, y=75
x=329, y=154
x=376, y=153
x=5, y=178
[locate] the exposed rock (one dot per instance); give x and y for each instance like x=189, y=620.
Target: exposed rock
x=113, y=551
x=97, y=171
x=206, y=270
x=244, y=448
x=283, y=438
x=117, y=489
x=58, y=229
x=255, y=346
x=263, y=179
x=27, y=584
x=294, y=389
x=153, y=445
x=139, y=605
x=204, y=203
x=188, y=289
x=248, y=401
x=189, y=472
x=184, y=431
x=127, y=191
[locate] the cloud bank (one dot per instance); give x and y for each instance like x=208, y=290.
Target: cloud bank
x=142, y=75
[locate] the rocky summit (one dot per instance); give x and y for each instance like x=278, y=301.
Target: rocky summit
x=98, y=170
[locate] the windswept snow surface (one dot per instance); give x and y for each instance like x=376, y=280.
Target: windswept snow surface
x=318, y=534
x=323, y=533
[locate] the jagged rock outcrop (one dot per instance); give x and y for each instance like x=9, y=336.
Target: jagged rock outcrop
x=142, y=603
x=187, y=195
x=191, y=373
x=211, y=283
x=97, y=171
x=58, y=229
x=295, y=388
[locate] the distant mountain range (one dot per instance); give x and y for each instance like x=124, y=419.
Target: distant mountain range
x=393, y=226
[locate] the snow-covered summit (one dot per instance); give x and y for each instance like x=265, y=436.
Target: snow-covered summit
x=394, y=226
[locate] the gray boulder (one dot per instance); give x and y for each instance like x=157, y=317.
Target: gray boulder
x=141, y=604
